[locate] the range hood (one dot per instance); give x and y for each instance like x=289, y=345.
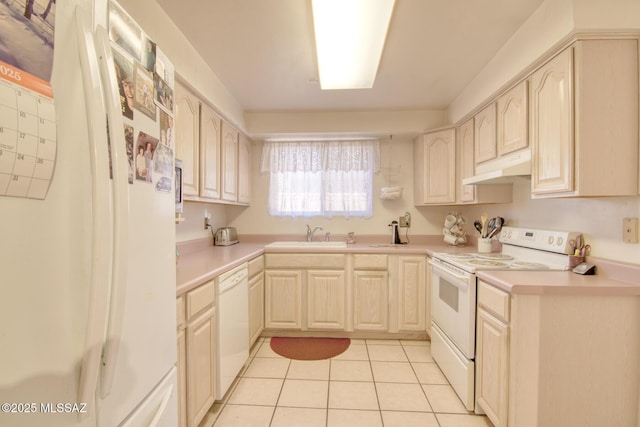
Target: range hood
x=502, y=170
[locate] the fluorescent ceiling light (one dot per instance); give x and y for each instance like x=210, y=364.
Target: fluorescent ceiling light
x=350, y=36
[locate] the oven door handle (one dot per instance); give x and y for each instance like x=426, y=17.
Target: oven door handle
x=465, y=279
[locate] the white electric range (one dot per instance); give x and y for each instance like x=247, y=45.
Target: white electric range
x=454, y=287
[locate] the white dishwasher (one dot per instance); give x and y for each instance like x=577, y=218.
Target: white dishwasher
x=232, y=300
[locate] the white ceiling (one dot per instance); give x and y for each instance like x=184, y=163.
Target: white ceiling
x=263, y=51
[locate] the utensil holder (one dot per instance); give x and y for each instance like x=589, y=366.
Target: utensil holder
x=484, y=245
x=574, y=260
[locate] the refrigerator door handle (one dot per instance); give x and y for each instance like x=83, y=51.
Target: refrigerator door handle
x=120, y=166
x=162, y=408
x=101, y=232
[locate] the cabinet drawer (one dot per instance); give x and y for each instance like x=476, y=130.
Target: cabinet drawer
x=180, y=318
x=371, y=262
x=305, y=260
x=256, y=265
x=200, y=299
x=494, y=300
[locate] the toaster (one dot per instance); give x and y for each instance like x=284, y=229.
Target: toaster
x=225, y=236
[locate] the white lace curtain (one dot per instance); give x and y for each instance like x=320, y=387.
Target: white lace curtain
x=321, y=177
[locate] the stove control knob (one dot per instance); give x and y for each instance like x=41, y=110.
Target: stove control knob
x=560, y=241
x=550, y=240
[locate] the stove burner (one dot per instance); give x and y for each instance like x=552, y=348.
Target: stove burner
x=461, y=256
x=494, y=256
x=485, y=263
x=524, y=265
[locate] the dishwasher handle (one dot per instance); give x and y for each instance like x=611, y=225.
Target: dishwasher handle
x=232, y=281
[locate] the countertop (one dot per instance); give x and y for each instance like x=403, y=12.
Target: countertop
x=201, y=262
x=557, y=283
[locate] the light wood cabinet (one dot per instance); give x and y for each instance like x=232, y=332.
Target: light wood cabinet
x=244, y=169
x=466, y=163
x=181, y=363
x=216, y=157
x=209, y=153
x=256, y=298
x=283, y=299
x=411, y=293
x=492, y=365
x=187, y=125
x=485, y=134
x=326, y=294
x=492, y=353
x=584, y=119
x=196, y=361
x=435, y=168
x=512, y=120
x=475, y=194
x=371, y=300
x=200, y=366
x=229, y=162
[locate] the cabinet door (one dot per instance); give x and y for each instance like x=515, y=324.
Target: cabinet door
x=256, y=307
x=244, y=169
x=326, y=299
x=411, y=298
x=371, y=296
x=485, y=134
x=229, y=162
x=209, y=153
x=181, y=366
x=492, y=364
x=283, y=299
x=466, y=163
x=439, y=165
x=512, y=120
x=551, y=127
x=187, y=112
x=200, y=367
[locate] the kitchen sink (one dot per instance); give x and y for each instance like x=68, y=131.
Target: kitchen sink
x=304, y=244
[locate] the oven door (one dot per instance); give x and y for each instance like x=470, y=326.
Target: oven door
x=453, y=305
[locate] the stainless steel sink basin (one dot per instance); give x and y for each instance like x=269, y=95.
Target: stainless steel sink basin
x=294, y=245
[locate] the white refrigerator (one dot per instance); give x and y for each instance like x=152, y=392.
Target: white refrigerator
x=87, y=312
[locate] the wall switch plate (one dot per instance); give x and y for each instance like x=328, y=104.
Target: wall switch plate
x=630, y=230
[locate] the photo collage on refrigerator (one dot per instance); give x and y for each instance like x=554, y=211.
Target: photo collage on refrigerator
x=145, y=84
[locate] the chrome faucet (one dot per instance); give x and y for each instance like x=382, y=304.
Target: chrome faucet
x=310, y=232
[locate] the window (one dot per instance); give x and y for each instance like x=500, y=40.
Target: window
x=321, y=177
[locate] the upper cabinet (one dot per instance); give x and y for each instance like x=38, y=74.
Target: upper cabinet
x=584, y=120
x=216, y=157
x=209, y=153
x=512, y=120
x=187, y=111
x=485, y=134
x=468, y=194
x=435, y=168
x=229, y=162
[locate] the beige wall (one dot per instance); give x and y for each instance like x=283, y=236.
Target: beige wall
x=396, y=169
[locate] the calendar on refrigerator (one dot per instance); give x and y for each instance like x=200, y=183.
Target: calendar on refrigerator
x=27, y=134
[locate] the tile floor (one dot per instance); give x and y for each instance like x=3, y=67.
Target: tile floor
x=374, y=383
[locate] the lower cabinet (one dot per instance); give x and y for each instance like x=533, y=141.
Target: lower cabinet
x=326, y=293
x=412, y=293
x=492, y=353
x=370, y=300
x=256, y=298
x=283, y=299
x=196, y=354
x=201, y=362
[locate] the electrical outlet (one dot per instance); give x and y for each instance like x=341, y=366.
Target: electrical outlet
x=405, y=221
x=630, y=230
x=207, y=224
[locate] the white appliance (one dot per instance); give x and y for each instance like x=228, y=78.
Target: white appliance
x=88, y=308
x=454, y=288
x=232, y=296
